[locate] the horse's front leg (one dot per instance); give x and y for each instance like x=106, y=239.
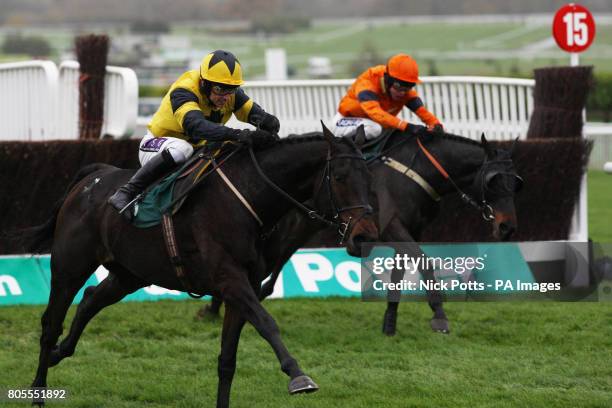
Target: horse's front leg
x=239, y=294
x=397, y=232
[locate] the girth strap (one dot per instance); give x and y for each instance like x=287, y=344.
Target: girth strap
x=175, y=257
x=413, y=175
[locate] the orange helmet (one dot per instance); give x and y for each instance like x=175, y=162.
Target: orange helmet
x=404, y=68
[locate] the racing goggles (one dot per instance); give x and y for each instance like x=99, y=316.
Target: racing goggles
x=223, y=91
x=401, y=86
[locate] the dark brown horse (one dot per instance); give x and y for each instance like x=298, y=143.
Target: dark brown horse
x=405, y=208
x=220, y=243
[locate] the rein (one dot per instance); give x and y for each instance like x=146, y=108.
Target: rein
x=484, y=207
x=343, y=227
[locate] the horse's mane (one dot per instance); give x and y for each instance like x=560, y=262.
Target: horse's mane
x=306, y=137
x=460, y=139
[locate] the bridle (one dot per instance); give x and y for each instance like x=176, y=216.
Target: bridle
x=481, y=205
x=336, y=221
x=485, y=176
x=327, y=175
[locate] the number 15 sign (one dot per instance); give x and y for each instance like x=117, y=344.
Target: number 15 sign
x=574, y=28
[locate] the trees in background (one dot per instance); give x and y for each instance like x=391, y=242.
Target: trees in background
x=32, y=46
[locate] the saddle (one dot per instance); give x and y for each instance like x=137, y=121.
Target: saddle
x=372, y=148
x=169, y=193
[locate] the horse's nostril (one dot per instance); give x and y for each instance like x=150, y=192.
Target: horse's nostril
x=359, y=239
x=362, y=238
x=360, y=249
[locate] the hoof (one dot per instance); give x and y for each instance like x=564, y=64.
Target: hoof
x=301, y=384
x=207, y=314
x=440, y=326
x=389, y=322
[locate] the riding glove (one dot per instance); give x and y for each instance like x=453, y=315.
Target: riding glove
x=270, y=123
x=437, y=130
x=256, y=138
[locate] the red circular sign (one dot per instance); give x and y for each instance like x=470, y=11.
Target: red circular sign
x=574, y=28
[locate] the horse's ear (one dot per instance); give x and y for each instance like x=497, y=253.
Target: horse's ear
x=329, y=136
x=513, y=147
x=485, y=144
x=360, y=138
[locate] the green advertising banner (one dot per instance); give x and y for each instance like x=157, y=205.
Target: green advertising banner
x=496, y=267
x=24, y=280
x=321, y=272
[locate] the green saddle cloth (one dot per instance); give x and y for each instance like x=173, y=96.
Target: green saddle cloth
x=157, y=200
x=148, y=211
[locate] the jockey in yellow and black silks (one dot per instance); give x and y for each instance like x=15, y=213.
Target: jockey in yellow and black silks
x=378, y=95
x=192, y=113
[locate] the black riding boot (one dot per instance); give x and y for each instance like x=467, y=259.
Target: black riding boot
x=148, y=173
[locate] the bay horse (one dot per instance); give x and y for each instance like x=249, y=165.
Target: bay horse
x=484, y=175
x=219, y=240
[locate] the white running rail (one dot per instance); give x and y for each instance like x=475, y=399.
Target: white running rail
x=38, y=101
x=27, y=100
x=468, y=106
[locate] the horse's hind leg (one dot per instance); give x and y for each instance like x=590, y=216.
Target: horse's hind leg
x=233, y=323
x=118, y=284
x=210, y=311
x=66, y=280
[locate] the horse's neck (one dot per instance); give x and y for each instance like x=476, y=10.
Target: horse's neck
x=461, y=160
x=294, y=167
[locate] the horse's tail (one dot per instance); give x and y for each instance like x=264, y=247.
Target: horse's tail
x=39, y=238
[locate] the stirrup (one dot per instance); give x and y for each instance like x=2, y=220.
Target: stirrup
x=128, y=205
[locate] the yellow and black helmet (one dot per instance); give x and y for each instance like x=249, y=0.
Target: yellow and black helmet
x=221, y=67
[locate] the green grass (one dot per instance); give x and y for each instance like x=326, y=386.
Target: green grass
x=600, y=206
x=498, y=355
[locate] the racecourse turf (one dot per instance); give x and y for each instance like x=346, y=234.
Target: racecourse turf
x=498, y=355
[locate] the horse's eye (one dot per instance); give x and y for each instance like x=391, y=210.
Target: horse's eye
x=518, y=183
x=339, y=177
x=503, y=183
x=490, y=180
